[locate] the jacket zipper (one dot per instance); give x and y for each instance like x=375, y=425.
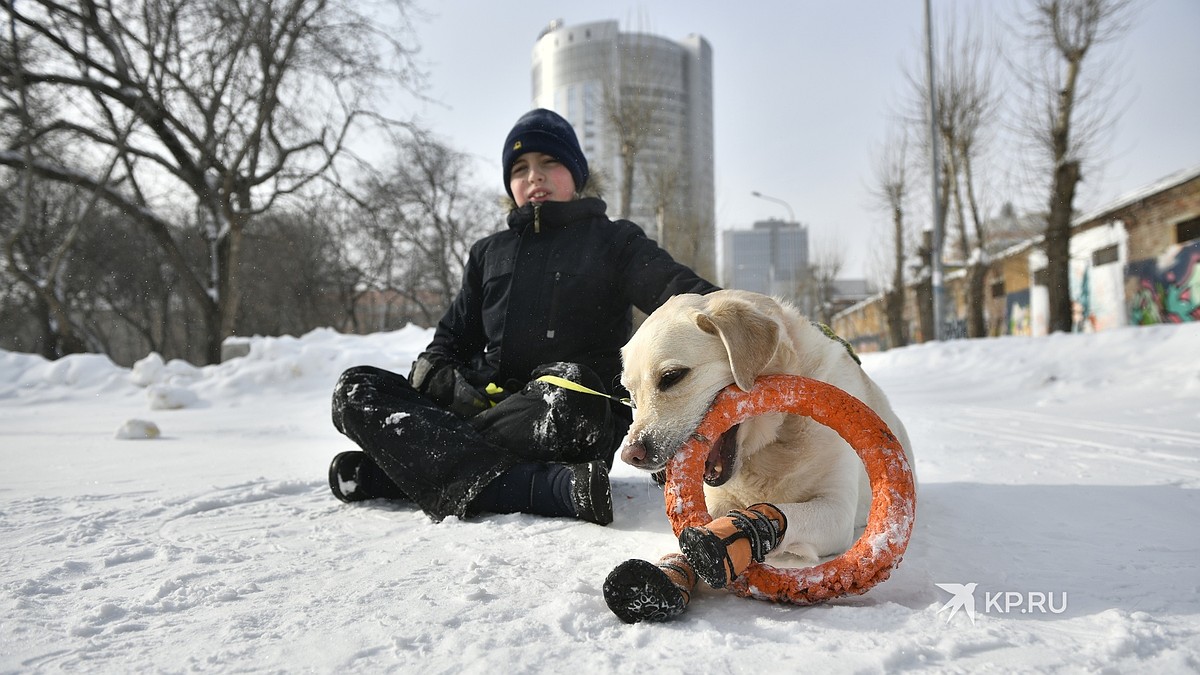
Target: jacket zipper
x=554, y=293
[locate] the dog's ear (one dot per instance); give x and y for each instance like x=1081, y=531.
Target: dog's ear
x=749, y=336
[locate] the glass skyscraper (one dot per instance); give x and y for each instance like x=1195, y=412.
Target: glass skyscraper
x=646, y=92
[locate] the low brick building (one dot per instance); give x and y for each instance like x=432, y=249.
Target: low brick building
x=1133, y=261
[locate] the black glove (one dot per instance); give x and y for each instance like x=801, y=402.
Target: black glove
x=431, y=375
x=439, y=380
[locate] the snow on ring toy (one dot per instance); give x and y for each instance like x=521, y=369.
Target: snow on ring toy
x=893, y=501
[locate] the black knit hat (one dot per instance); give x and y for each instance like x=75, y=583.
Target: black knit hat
x=545, y=131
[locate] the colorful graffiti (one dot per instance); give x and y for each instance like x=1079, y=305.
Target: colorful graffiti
x=1097, y=298
x=1018, y=312
x=1098, y=279
x=1169, y=294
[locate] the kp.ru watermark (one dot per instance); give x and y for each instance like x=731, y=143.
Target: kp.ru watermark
x=1001, y=602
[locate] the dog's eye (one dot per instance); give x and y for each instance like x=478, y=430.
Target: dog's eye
x=671, y=378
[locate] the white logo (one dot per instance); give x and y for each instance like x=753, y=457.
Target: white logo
x=1001, y=602
x=964, y=598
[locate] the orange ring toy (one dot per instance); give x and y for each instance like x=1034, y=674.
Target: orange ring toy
x=893, y=497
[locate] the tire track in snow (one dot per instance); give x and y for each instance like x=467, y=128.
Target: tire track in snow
x=1170, y=435
x=1050, y=431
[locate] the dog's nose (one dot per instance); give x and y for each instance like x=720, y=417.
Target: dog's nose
x=633, y=453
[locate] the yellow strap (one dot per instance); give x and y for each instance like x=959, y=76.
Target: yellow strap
x=575, y=386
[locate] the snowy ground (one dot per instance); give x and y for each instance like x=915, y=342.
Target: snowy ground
x=1059, y=474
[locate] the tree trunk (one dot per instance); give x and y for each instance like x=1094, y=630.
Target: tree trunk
x=1062, y=196
x=1058, y=246
x=628, y=162
x=976, y=274
x=977, y=270
x=894, y=309
x=949, y=302
x=895, y=299
x=954, y=195
x=229, y=296
x=924, y=292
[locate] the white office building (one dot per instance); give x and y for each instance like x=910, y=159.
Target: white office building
x=615, y=87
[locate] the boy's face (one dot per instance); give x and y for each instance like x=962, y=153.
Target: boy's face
x=538, y=177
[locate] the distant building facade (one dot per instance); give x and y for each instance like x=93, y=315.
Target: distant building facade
x=1134, y=261
x=591, y=72
x=769, y=258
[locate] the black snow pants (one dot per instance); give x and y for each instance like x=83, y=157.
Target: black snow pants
x=441, y=461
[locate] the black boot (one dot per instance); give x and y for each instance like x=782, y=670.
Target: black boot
x=591, y=492
x=353, y=477
x=556, y=490
x=639, y=590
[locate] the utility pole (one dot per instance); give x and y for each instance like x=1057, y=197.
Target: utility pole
x=935, y=257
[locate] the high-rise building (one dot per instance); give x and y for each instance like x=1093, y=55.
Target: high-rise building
x=649, y=95
x=771, y=258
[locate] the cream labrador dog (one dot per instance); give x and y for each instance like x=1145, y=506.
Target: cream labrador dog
x=694, y=346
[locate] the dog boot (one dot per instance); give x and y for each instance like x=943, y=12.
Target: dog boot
x=639, y=590
x=723, y=549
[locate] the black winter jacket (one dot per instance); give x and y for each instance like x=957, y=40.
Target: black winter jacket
x=557, y=285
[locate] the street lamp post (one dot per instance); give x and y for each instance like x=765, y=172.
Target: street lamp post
x=791, y=214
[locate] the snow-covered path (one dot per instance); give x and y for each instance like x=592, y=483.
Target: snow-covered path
x=1060, y=475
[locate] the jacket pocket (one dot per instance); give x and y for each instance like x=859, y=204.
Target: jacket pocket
x=497, y=267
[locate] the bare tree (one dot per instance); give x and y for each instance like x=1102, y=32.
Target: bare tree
x=292, y=275
x=42, y=276
x=673, y=232
x=967, y=107
x=967, y=110
x=827, y=261
x=347, y=221
x=37, y=244
x=628, y=111
x=233, y=105
x=1071, y=115
x=422, y=218
x=891, y=193
x=84, y=279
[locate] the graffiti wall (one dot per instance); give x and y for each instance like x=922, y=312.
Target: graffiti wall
x=1166, y=290
x=1017, y=313
x=1097, y=278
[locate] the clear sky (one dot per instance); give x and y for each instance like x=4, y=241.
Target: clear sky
x=805, y=94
